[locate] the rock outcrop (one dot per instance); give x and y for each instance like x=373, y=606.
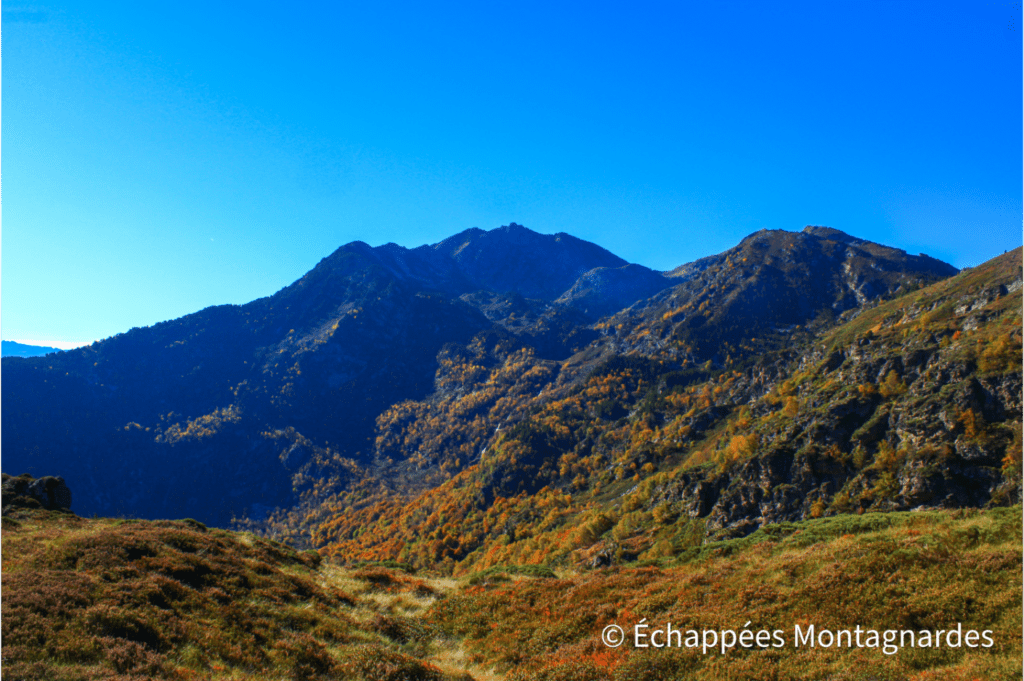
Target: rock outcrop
x=24, y=491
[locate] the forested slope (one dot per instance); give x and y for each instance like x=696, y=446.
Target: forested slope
x=915, y=402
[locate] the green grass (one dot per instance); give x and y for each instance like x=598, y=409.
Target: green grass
x=505, y=572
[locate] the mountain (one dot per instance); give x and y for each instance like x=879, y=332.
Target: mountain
x=752, y=298
x=386, y=375
x=247, y=395
x=15, y=349
x=493, y=473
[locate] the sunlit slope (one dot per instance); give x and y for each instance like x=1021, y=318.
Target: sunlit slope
x=88, y=599
x=915, y=572
x=119, y=600
x=913, y=403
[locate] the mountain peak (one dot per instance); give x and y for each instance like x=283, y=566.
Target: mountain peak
x=831, y=233
x=515, y=258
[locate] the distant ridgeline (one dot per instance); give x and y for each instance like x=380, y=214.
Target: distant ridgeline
x=483, y=398
x=15, y=349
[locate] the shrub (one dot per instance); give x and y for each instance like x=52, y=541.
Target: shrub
x=376, y=663
x=892, y=386
x=867, y=389
x=973, y=423
x=791, y=407
x=303, y=656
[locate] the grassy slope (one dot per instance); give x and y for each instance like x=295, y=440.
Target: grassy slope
x=114, y=599
x=124, y=599
x=886, y=571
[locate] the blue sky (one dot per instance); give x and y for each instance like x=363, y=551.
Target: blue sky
x=157, y=160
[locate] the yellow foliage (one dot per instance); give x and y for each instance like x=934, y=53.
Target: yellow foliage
x=973, y=423
x=892, y=385
x=888, y=458
x=741, y=447
x=791, y=407
x=867, y=389
x=1002, y=354
x=1014, y=451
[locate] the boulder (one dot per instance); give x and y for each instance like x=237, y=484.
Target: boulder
x=24, y=491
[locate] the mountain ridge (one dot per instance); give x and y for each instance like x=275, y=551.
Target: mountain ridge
x=16, y=349
x=306, y=395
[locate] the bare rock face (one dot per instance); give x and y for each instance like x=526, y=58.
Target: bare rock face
x=24, y=491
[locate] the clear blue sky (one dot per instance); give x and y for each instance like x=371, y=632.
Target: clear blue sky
x=157, y=160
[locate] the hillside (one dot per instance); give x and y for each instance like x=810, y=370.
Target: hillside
x=900, y=572
x=912, y=403
x=127, y=599
x=103, y=599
